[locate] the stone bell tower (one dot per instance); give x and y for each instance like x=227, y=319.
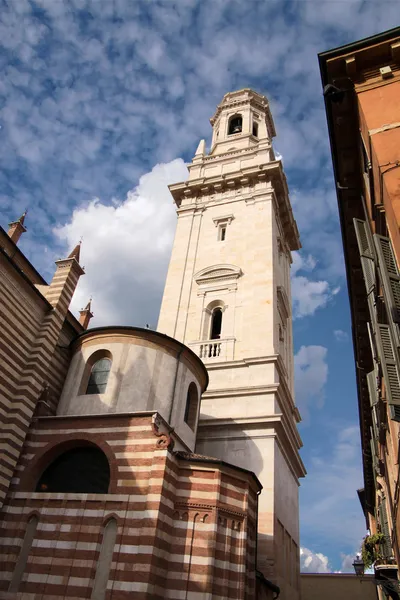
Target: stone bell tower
x=227, y=296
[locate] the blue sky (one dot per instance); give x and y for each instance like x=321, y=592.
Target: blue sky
x=101, y=105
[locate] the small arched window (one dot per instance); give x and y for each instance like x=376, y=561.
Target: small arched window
x=192, y=405
x=82, y=470
x=235, y=124
x=23, y=556
x=216, y=324
x=104, y=561
x=99, y=376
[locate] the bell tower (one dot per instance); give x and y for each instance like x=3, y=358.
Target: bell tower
x=227, y=296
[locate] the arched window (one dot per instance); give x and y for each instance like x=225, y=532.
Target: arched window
x=82, y=470
x=104, y=561
x=235, y=124
x=99, y=376
x=216, y=324
x=192, y=405
x=23, y=556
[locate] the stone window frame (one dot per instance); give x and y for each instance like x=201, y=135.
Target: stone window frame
x=90, y=363
x=192, y=406
x=222, y=224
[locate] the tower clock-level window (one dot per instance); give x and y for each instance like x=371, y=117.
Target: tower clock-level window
x=216, y=324
x=99, y=376
x=235, y=124
x=255, y=129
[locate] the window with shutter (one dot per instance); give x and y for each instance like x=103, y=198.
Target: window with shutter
x=374, y=453
x=390, y=277
x=383, y=518
x=389, y=363
x=365, y=246
x=372, y=387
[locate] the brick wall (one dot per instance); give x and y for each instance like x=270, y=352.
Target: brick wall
x=185, y=525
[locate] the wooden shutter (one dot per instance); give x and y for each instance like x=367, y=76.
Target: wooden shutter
x=389, y=275
x=372, y=388
x=389, y=363
x=365, y=246
x=383, y=518
x=374, y=453
x=374, y=399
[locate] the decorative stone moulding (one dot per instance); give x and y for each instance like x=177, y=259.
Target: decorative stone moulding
x=225, y=220
x=217, y=273
x=283, y=302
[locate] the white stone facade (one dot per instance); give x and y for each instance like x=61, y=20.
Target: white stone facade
x=231, y=253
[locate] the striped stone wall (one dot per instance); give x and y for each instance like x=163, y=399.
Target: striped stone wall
x=182, y=526
x=33, y=329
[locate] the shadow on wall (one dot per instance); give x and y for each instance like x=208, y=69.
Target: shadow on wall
x=234, y=446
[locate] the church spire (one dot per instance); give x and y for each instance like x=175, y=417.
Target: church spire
x=16, y=228
x=86, y=314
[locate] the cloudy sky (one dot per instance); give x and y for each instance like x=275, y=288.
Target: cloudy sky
x=101, y=105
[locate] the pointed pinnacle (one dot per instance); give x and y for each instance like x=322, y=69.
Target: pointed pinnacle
x=22, y=217
x=88, y=306
x=76, y=252
x=201, y=148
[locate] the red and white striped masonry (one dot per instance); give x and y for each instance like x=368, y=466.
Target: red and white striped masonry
x=186, y=525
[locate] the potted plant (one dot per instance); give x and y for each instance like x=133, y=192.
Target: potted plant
x=370, y=549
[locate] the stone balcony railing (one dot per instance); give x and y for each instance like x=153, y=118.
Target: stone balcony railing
x=214, y=350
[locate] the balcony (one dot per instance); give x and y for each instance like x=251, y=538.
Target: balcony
x=214, y=350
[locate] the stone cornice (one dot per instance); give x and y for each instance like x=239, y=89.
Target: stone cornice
x=290, y=411
x=261, y=426
x=199, y=191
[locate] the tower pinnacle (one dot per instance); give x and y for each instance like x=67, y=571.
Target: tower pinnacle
x=86, y=314
x=76, y=252
x=16, y=228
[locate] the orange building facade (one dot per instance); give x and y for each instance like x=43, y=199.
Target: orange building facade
x=362, y=98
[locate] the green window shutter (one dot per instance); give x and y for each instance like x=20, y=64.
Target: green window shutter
x=390, y=276
x=374, y=453
x=387, y=545
x=365, y=246
x=372, y=388
x=389, y=363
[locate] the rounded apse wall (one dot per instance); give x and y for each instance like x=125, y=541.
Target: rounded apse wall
x=127, y=369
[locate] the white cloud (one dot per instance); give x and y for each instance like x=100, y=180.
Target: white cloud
x=340, y=335
x=347, y=562
x=302, y=262
x=126, y=249
x=308, y=295
x=313, y=562
x=311, y=375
